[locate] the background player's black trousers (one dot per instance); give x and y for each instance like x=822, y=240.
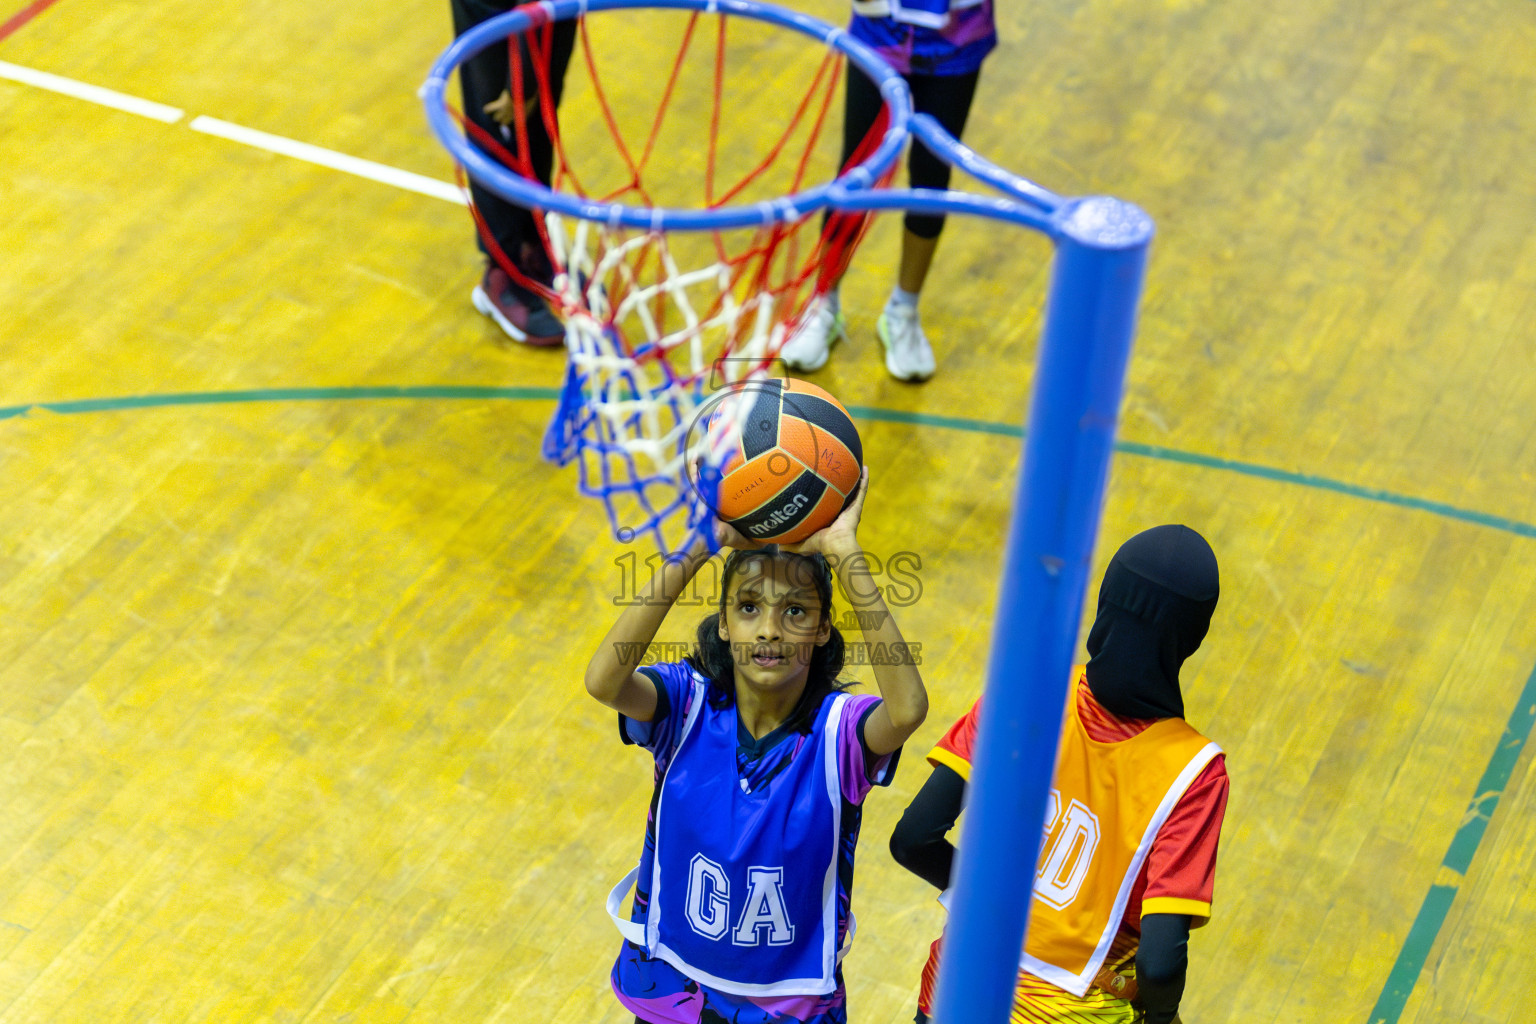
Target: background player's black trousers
x=483, y=78
x=947, y=98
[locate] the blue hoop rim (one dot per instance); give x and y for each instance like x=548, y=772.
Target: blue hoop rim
x=1023, y=201
x=519, y=190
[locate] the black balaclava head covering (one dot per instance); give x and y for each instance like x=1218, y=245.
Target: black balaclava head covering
x=1155, y=605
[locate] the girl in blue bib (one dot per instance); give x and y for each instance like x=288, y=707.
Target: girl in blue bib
x=741, y=908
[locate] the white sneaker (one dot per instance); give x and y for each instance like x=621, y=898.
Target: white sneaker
x=811, y=343
x=908, y=356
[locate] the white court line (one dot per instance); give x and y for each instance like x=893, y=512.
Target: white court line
x=236, y=133
x=90, y=93
x=329, y=158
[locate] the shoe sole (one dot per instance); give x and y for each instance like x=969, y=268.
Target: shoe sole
x=838, y=333
x=484, y=305
x=882, y=332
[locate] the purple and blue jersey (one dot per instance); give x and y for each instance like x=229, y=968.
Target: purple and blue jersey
x=755, y=874
x=927, y=37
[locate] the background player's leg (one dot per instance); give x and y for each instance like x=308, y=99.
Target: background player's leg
x=916, y=257
x=908, y=355
x=822, y=324
x=530, y=254
x=520, y=312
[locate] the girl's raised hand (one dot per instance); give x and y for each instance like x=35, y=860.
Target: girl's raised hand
x=842, y=534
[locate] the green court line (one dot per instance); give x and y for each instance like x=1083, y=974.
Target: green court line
x=1416, y=947
x=1325, y=484
x=1150, y=451
x=1458, y=860
x=462, y=392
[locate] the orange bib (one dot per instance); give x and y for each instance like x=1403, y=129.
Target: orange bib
x=1108, y=802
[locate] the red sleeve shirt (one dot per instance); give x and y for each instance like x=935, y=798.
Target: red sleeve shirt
x=1179, y=875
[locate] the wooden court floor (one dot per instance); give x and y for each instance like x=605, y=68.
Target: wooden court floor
x=292, y=616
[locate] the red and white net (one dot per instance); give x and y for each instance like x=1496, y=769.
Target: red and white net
x=666, y=109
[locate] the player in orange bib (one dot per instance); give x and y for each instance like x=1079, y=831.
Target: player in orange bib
x=1128, y=862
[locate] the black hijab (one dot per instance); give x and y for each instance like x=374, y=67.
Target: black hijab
x=1155, y=606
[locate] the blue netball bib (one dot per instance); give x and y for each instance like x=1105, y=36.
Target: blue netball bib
x=744, y=884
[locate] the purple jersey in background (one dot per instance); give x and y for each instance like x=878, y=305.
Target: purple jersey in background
x=958, y=48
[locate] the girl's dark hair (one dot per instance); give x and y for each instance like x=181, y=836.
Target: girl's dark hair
x=714, y=659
